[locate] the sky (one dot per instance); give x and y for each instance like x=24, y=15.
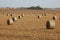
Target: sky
x=28, y=3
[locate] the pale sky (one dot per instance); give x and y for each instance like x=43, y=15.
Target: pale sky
x=28, y=3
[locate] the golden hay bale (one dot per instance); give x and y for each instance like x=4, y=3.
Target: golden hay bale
x=9, y=21
x=39, y=16
x=8, y=14
x=19, y=17
x=14, y=19
x=11, y=15
x=22, y=15
x=50, y=24
x=54, y=17
x=45, y=14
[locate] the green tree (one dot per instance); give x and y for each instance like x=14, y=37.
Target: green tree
x=36, y=7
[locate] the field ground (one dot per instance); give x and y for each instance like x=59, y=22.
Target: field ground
x=29, y=27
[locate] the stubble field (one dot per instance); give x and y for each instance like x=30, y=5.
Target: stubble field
x=29, y=27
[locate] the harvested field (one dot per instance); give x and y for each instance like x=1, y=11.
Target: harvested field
x=29, y=27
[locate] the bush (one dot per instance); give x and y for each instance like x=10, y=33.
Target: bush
x=36, y=7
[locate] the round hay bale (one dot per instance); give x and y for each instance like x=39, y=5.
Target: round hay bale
x=8, y=14
x=9, y=21
x=22, y=15
x=39, y=16
x=14, y=19
x=54, y=17
x=11, y=15
x=45, y=14
x=59, y=19
x=50, y=24
x=19, y=17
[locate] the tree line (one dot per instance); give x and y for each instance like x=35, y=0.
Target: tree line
x=35, y=7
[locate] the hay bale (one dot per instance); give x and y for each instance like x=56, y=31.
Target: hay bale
x=8, y=14
x=59, y=18
x=50, y=24
x=11, y=15
x=45, y=14
x=9, y=21
x=19, y=17
x=54, y=17
x=39, y=16
x=14, y=19
x=22, y=15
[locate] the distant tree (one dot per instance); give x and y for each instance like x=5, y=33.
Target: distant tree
x=32, y=7
x=37, y=7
